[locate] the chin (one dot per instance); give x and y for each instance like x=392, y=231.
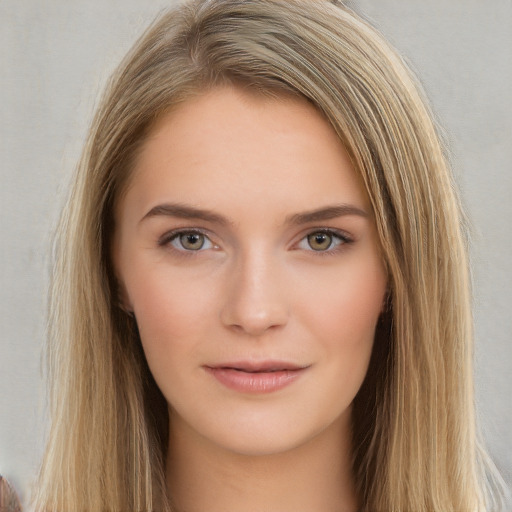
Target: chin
x=257, y=435
x=256, y=444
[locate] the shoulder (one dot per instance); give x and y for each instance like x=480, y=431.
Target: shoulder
x=9, y=501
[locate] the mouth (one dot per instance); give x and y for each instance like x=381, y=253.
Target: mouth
x=261, y=367
x=256, y=377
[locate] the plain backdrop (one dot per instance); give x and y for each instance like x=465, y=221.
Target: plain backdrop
x=55, y=57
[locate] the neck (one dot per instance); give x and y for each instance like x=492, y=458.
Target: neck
x=314, y=476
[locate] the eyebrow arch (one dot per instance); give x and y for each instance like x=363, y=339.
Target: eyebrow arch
x=190, y=212
x=326, y=213
x=185, y=212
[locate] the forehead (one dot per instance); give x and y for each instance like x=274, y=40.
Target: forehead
x=227, y=146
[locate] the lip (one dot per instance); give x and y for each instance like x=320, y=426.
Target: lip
x=256, y=377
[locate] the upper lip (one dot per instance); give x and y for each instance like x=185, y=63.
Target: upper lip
x=258, y=366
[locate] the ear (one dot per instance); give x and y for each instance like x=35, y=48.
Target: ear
x=386, y=301
x=123, y=300
x=120, y=293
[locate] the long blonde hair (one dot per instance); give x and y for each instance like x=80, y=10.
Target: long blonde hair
x=414, y=441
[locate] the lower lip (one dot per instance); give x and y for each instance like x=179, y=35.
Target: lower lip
x=258, y=382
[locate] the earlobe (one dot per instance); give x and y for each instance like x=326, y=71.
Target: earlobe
x=120, y=294
x=123, y=301
x=386, y=301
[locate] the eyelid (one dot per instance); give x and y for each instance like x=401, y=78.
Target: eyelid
x=169, y=236
x=343, y=236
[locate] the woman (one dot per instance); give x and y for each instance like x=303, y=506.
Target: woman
x=261, y=295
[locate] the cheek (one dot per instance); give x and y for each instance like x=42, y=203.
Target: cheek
x=348, y=306
x=170, y=316
x=342, y=317
x=165, y=299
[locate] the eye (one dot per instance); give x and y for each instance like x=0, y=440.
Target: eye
x=323, y=241
x=190, y=241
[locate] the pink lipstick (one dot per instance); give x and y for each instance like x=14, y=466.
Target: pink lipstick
x=256, y=377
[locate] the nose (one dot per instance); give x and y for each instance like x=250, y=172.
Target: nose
x=255, y=300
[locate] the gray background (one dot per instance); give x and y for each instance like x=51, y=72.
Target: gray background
x=55, y=57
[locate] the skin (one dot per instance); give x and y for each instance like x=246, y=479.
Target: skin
x=256, y=290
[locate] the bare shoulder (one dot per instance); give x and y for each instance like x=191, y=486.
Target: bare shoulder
x=9, y=501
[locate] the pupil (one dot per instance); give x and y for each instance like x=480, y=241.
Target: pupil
x=192, y=241
x=319, y=241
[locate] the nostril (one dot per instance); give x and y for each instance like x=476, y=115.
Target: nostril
x=245, y=320
x=256, y=299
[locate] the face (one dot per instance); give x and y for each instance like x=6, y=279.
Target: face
x=246, y=249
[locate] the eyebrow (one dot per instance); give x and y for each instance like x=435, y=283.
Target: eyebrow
x=191, y=212
x=326, y=213
x=182, y=211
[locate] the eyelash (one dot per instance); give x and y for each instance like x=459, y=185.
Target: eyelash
x=343, y=240
x=169, y=237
